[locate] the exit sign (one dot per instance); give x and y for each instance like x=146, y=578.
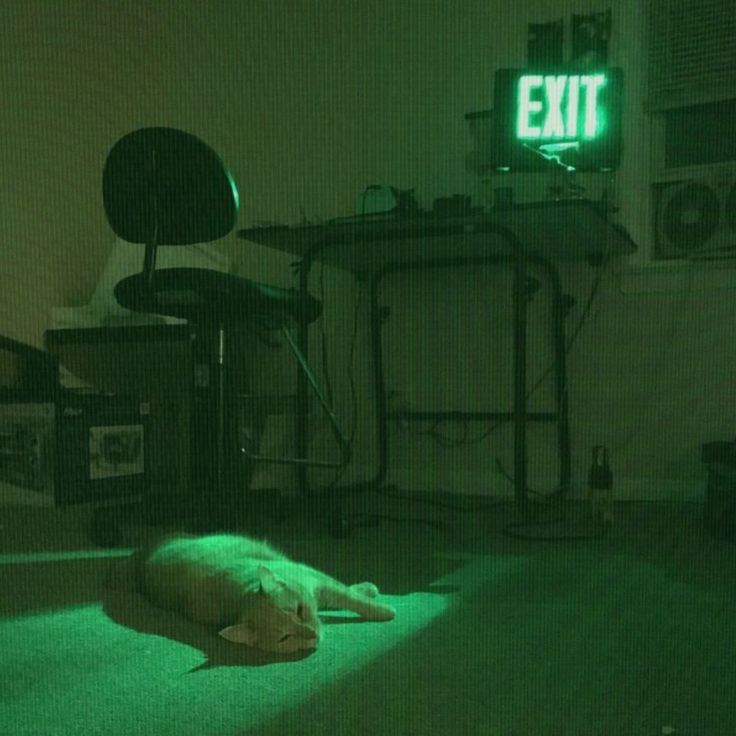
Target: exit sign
x=551, y=118
x=556, y=107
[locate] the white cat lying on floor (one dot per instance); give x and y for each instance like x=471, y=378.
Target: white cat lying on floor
x=255, y=594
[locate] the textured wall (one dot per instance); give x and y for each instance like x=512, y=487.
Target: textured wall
x=309, y=102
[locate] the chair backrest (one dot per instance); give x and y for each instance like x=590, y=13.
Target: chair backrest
x=162, y=186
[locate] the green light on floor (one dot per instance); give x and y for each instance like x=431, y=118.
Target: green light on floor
x=116, y=680
x=78, y=667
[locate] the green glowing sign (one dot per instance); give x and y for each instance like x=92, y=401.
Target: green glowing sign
x=560, y=117
x=559, y=106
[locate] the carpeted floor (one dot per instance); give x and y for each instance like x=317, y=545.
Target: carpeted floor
x=632, y=633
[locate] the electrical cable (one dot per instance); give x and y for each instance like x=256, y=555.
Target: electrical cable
x=453, y=442
x=351, y=379
x=323, y=340
x=388, y=491
x=509, y=530
x=296, y=268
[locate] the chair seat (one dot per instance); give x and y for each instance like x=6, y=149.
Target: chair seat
x=213, y=297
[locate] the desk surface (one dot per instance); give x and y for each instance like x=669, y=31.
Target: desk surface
x=564, y=230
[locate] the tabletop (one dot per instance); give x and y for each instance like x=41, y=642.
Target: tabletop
x=556, y=230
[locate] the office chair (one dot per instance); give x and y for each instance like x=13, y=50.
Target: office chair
x=165, y=187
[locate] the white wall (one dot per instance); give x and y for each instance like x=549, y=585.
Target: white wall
x=309, y=102
x=650, y=374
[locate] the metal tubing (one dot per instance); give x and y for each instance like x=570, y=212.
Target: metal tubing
x=563, y=423
x=560, y=414
x=379, y=383
x=220, y=458
x=520, y=323
x=302, y=400
x=301, y=459
x=518, y=259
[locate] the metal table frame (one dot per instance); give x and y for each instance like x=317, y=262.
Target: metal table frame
x=520, y=416
x=326, y=243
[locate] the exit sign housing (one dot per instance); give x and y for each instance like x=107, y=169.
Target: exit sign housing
x=546, y=119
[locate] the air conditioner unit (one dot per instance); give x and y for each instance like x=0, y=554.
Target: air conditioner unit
x=694, y=214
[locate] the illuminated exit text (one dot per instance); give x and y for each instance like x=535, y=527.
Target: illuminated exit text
x=559, y=106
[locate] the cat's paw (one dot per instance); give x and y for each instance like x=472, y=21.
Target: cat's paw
x=384, y=613
x=369, y=590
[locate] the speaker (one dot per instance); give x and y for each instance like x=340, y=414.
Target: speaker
x=696, y=217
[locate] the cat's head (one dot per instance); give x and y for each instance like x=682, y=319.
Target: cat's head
x=281, y=617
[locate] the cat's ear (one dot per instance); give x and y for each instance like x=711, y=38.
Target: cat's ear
x=240, y=634
x=269, y=582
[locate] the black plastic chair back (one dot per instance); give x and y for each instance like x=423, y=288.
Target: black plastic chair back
x=163, y=186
